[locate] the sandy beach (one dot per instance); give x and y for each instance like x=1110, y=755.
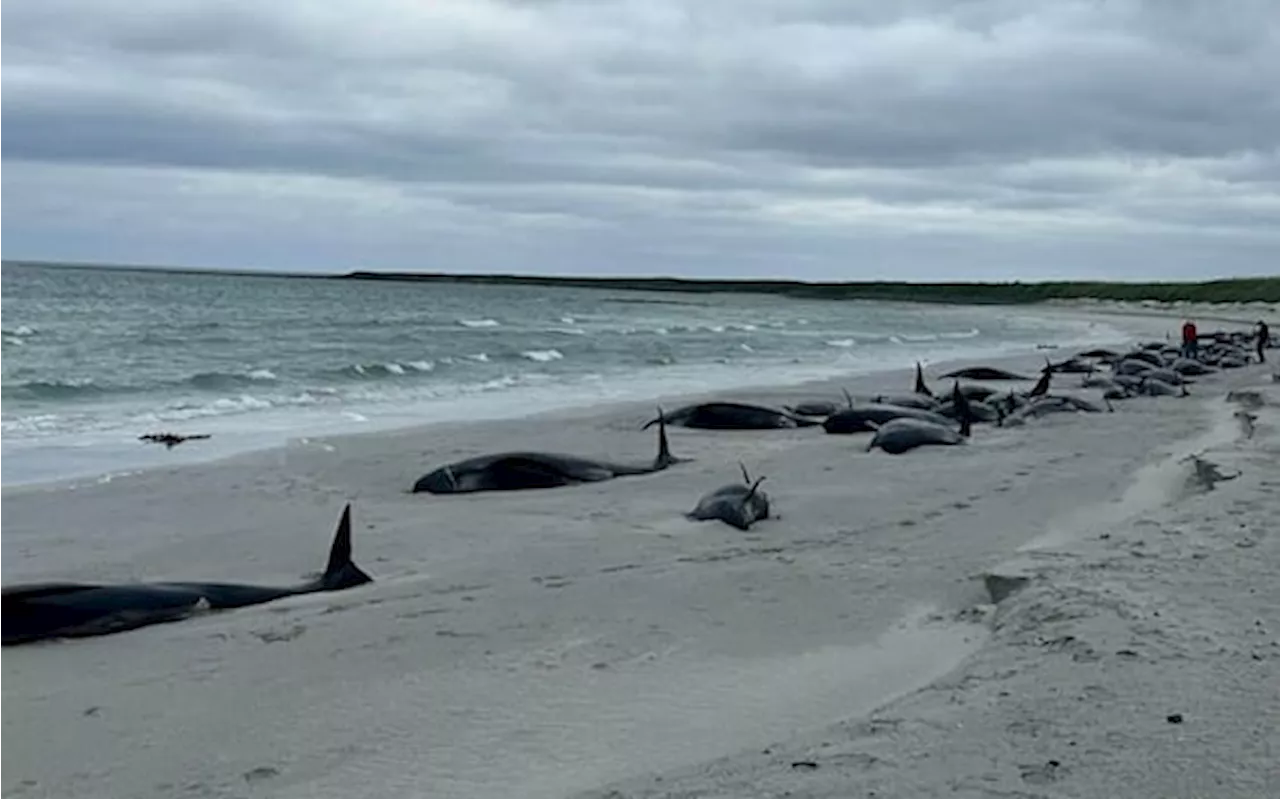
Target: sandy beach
x=591, y=640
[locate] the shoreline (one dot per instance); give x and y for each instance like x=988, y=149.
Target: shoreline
x=511, y=642
x=396, y=422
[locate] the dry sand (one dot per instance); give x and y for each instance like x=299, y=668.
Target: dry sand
x=547, y=643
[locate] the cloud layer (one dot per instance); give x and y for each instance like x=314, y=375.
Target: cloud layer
x=943, y=139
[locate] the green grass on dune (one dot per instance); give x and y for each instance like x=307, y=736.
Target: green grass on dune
x=1255, y=289
x=1263, y=289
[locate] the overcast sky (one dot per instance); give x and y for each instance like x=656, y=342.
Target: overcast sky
x=823, y=139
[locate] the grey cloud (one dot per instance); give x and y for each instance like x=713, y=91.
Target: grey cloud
x=600, y=125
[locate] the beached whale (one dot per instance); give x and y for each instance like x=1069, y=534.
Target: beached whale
x=1073, y=366
x=72, y=610
x=1185, y=366
x=737, y=504
x=984, y=373
x=1146, y=356
x=1100, y=354
x=813, y=408
x=734, y=416
x=1131, y=366
x=901, y=435
x=974, y=391
x=513, y=471
x=1057, y=403
x=1152, y=387
x=978, y=411
x=864, y=418
x=924, y=402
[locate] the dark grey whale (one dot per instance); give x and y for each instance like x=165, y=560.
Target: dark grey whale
x=737, y=504
x=984, y=373
x=900, y=435
x=863, y=418
x=734, y=416
x=73, y=610
x=924, y=402
x=904, y=433
x=813, y=408
x=512, y=471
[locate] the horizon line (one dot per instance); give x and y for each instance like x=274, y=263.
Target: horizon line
x=654, y=278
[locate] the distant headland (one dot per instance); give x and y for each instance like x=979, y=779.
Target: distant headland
x=1263, y=289
x=1230, y=290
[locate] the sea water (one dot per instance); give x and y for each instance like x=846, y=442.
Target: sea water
x=93, y=357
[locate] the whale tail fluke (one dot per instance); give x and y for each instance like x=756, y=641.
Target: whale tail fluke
x=341, y=572
x=665, y=458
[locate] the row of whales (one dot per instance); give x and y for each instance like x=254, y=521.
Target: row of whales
x=42, y=611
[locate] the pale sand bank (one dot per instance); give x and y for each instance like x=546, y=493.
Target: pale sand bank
x=544, y=643
x=1136, y=656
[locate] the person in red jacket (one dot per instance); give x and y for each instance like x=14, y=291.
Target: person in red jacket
x=1190, y=340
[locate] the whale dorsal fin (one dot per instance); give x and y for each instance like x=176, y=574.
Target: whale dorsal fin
x=341, y=571
x=921, y=388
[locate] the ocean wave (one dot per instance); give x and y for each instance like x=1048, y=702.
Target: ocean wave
x=972, y=332
x=840, y=342
x=378, y=369
x=185, y=409
x=70, y=388
x=16, y=341
x=479, y=322
x=19, y=332
x=497, y=384
x=569, y=331
x=543, y=356
x=213, y=381
x=479, y=357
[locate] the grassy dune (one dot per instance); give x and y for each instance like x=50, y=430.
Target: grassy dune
x=1258, y=289
x=1237, y=290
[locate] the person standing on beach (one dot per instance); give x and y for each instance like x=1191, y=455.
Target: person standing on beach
x=1263, y=334
x=1190, y=340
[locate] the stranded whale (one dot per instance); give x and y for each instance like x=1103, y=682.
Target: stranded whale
x=512, y=471
x=73, y=610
